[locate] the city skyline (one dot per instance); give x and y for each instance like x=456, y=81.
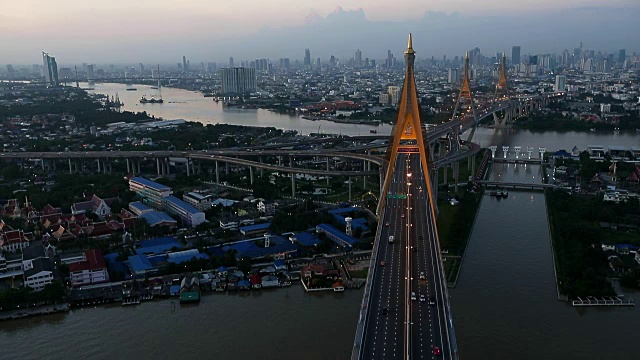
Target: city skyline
x=216, y=37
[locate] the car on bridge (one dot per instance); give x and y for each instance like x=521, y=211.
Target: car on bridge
x=432, y=301
x=413, y=296
x=436, y=350
x=391, y=239
x=422, y=298
x=381, y=262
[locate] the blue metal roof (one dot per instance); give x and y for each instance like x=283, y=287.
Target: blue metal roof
x=116, y=266
x=330, y=230
x=156, y=217
x=307, y=239
x=151, y=184
x=138, y=206
x=139, y=263
x=255, y=227
x=181, y=204
x=250, y=249
x=158, y=245
x=184, y=256
x=344, y=210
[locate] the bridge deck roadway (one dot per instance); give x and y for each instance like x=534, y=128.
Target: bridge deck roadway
x=414, y=251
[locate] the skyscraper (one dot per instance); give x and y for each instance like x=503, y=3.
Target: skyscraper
x=515, y=55
x=231, y=61
x=238, y=80
x=90, y=75
x=141, y=68
x=358, y=58
x=622, y=56
x=50, y=68
x=561, y=83
x=307, y=58
x=454, y=76
x=185, y=67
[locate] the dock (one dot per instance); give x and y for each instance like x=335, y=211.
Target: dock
x=603, y=301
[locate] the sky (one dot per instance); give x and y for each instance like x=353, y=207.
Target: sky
x=149, y=31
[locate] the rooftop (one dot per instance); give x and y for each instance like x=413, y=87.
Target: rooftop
x=150, y=184
x=158, y=245
x=182, y=205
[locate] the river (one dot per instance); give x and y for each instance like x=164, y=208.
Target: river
x=268, y=324
x=504, y=306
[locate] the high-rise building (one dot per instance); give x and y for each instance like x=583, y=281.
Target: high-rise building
x=90, y=68
x=561, y=83
x=185, y=66
x=394, y=94
x=141, y=68
x=358, y=58
x=50, y=68
x=515, y=55
x=454, y=76
x=285, y=63
x=238, y=80
x=622, y=56
x=231, y=62
x=307, y=58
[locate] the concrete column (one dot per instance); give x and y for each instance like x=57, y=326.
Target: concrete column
x=327, y=170
x=469, y=162
x=217, y=173
x=128, y=165
x=98, y=162
x=158, y=166
x=349, y=188
x=434, y=184
x=139, y=171
x=473, y=166
x=199, y=165
x=251, y=175
x=70, y=169
x=446, y=175
x=53, y=162
x=188, y=167
x=166, y=161
x=226, y=168
x=279, y=160
x=261, y=169
x=364, y=182
x=293, y=185
x=456, y=174
x=369, y=162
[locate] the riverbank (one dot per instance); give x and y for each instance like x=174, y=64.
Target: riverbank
x=582, y=267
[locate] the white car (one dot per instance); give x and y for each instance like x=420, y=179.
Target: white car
x=422, y=298
x=413, y=296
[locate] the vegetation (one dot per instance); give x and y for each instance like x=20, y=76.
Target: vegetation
x=577, y=237
x=20, y=298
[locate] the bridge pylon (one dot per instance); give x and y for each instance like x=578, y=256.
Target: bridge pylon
x=502, y=91
x=465, y=95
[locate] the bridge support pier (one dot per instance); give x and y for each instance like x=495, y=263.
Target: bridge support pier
x=168, y=166
x=434, y=184
x=349, y=188
x=70, y=169
x=327, y=170
x=217, y=173
x=128, y=165
x=364, y=182
x=293, y=185
x=188, y=167
x=456, y=174
x=261, y=169
x=251, y=175
x=446, y=175
x=198, y=165
x=226, y=169
x=158, y=166
x=98, y=164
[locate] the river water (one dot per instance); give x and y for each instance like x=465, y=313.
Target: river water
x=504, y=305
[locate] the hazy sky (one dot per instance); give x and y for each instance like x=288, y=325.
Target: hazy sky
x=212, y=30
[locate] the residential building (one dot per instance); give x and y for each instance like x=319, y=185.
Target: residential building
x=189, y=215
x=197, y=200
x=39, y=275
x=454, y=76
x=152, y=193
x=561, y=83
x=515, y=55
x=267, y=207
x=50, y=68
x=257, y=229
x=93, y=270
x=139, y=208
x=238, y=80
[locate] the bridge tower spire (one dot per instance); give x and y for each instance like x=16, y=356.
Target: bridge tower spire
x=465, y=93
x=407, y=135
x=502, y=86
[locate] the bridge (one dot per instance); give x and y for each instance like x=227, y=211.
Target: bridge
x=514, y=185
x=405, y=312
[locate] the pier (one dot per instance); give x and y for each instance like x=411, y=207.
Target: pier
x=603, y=301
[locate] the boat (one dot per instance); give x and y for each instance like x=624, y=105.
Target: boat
x=493, y=193
x=154, y=87
x=207, y=95
x=132, y=89
x=373, y=131
x=152, y=100
x=498, y=193
x=338, y=289
x=505, y=193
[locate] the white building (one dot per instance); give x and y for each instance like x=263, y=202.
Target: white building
x=189, y=215
x=197, y=200
x=561, y=83
x=151, y=192
x=267, y=207
x=605, y=108
x=39, y=275
x=454, y=76
x=92, y=270
x=238, y=80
